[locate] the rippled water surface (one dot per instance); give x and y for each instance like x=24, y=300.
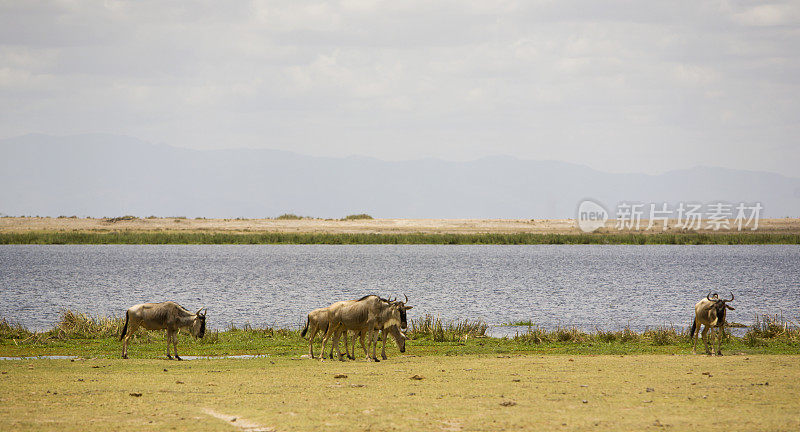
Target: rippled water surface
x=587, y=286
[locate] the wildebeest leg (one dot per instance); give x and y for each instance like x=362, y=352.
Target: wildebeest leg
x=373, y=339
x=358, y=334
x=365, y=336
x=134, y=325
x=720, y=334
x=342, y=331
x=335, y=334
x=696, y=330
x=705, y=338
x=169, y=340
x=325, y=338
x=365, y=348
x=175, y=345
x=311, y=334
x=336, y=344
x=347, y=344
x=351, y=352
x=383, y=351
x=353, y=347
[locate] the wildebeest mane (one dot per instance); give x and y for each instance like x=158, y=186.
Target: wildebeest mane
x=367, y=296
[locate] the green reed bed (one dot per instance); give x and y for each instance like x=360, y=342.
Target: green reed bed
x=433, y=328
x=84, y=335
x=181, y=237
x=661, y=335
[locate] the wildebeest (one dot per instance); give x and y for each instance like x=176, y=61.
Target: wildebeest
x=364, y=316
x=160, y=316
x=317, y=321
x=398, y=336
x=710, y=312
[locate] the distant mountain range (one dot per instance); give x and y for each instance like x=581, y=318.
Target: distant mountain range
x=106, y=175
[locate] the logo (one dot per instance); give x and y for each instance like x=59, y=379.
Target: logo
x=591, y=216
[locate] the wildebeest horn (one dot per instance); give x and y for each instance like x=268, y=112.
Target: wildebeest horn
x=405, y=297
x=732, y=297
x=708, y=297
x=200, y=310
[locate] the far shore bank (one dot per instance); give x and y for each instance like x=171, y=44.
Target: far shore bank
x=361, y=226
x=178, y=230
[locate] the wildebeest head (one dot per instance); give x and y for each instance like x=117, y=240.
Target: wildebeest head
x=720, y=305
x=400, y=338
x=199, y=324
x=402, y=308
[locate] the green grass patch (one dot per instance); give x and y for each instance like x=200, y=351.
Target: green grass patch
x=432, y=328
x=520, y=323
x=87, y=336
x=360, y=216
x=184, y=237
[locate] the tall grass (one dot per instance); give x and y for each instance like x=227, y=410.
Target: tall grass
x=766, y=327
x=181, y=237
x=656, y=336
x=665, y=335
x=454, y=331
x=538, y=335
x=76, y=325
x=765, y=330
x=71, y=325
x=609, y=336
x=12, y=330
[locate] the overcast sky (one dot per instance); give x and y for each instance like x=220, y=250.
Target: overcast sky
x=625, y=86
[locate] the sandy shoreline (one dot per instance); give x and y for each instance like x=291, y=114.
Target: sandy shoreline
x=368, y=226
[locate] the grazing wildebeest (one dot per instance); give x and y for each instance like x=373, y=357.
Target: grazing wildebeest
x=710, y=313
x=397, y=334
x=318, y=321
x=160, y=316
x=365, y=315
x=394, y=331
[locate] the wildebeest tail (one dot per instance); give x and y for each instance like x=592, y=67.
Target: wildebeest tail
x=305, y=329
x=694, y=327
x=125, y=327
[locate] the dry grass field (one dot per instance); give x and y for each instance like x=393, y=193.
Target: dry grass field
x=335, y=226
x=431, y=393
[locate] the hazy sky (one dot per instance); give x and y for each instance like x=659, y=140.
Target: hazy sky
x=620, y=86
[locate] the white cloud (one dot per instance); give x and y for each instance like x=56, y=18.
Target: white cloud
x=607, y=85
x=769, y=15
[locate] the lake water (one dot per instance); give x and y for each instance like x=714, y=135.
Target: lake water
x=587, y=286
